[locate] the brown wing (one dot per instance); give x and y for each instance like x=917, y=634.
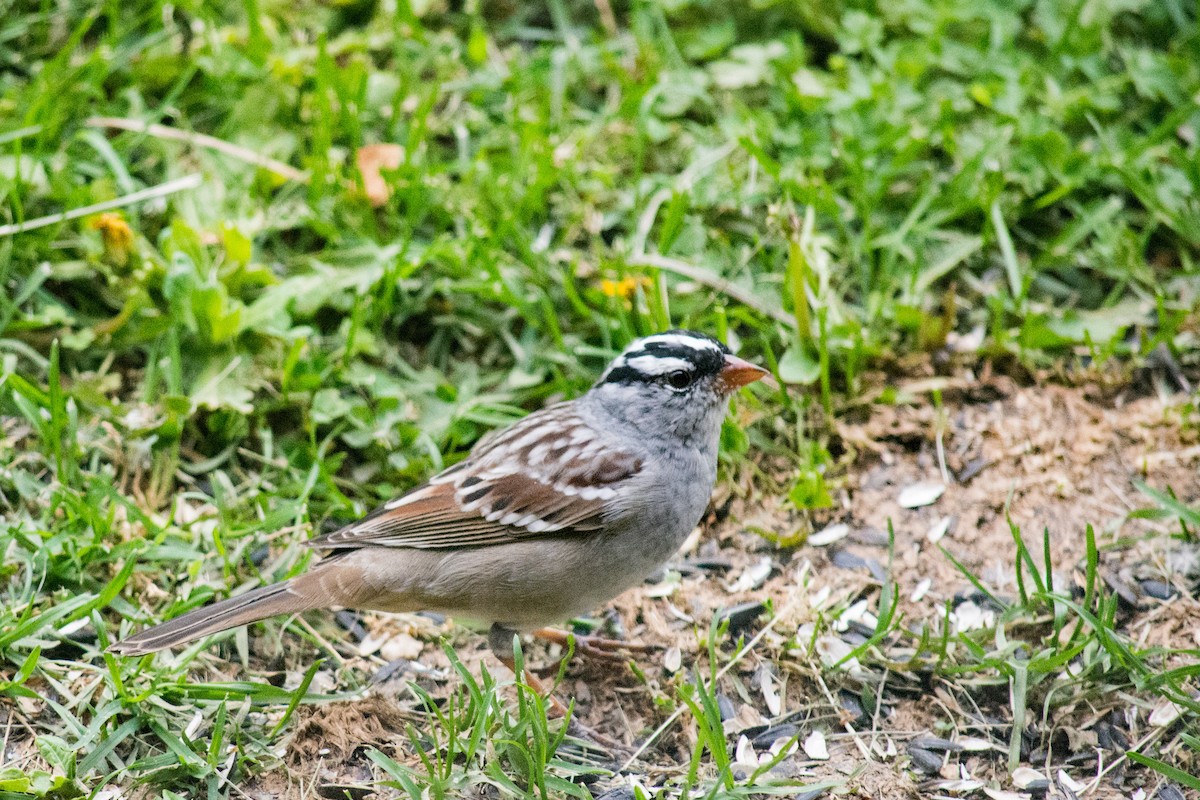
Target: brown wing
x=549, y=474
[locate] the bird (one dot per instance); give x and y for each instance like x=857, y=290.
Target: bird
x=543, y=521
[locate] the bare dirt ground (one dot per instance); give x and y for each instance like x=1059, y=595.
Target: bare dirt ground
x=1051, y=458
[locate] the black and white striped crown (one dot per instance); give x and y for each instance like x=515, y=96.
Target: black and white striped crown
x=652, y=357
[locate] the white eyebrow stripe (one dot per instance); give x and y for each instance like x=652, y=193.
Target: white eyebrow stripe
x=693, y=342
x=658, y=365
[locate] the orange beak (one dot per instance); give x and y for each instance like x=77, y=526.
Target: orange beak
x=737, y=373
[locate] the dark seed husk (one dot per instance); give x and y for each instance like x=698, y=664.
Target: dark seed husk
x=617, y=793
x=1121, y=589
x=935, y=744
x=973, y=468
x=1159, y=590
x=337, y=791
x=846, y=559
x=742, y=616
x=853, y=703
x=1169, y=791
x=708, y=563
x=352, y=624
x=925, y=761
x=392, y=669
x=811, y=794
x=726, y=707
x=774, y=734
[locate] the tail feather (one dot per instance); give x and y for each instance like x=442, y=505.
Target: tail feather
x=268, y=601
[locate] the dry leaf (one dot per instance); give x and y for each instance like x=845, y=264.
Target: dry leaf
x=401, y=646
x=962, y=786
x=974, y=744
x=921, y=590
x=829, y=535
x=1024, y=777
x=815, y=747
x=747, y=716
x=1165, y=715
x=744, y=753
x=938, y=530
x=371, y=644
x=673, y=660
x=666, y=587
x=754, y=576
x=1000, y=794
x=833, y=651
x=920, y=494
x=372, y=159
x=770, y=695
x=1068, y=782
x=970, y=617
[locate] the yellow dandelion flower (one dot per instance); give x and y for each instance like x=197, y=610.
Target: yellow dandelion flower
x=623, y=288
x=116, y=235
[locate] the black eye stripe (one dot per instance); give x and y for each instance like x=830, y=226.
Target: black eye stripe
x=631, y=375
x=626, y=375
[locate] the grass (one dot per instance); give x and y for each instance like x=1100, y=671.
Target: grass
x=234, y=343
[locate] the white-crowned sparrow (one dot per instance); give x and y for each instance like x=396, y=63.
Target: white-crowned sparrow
x=545, y=520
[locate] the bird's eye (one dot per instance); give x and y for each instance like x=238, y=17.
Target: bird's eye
x=679, y=379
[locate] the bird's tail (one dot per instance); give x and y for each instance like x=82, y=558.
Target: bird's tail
x=286, y=597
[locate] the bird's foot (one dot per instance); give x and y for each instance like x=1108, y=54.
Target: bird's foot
x=501, y=641
x=595, y=647
x=590, y=735
x=575, y=727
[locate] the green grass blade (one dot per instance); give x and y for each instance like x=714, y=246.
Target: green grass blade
x=1166, y=770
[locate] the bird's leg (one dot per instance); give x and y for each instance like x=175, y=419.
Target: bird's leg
x=596, y=647
x=500, y=639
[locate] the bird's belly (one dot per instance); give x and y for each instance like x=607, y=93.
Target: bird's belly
x=546, y=581
x=523, y=585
